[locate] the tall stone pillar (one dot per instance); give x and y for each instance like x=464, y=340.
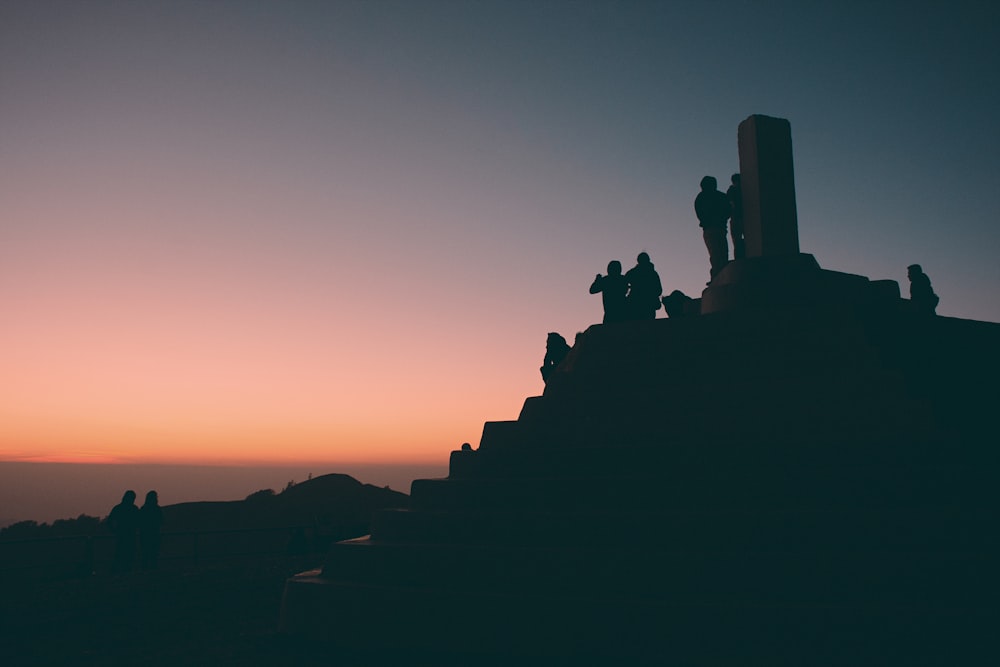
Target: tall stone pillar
x=768, y=179
x=775, y=275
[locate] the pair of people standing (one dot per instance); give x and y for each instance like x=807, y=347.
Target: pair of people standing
x=128, y=522
x=714, y=210
x=633, y=296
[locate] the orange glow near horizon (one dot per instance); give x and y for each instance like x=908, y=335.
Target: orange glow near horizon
x=109, y=363
x=153, y=343
x=310, y=422
x=337, y=233
x=138, y=443
x=139, y=381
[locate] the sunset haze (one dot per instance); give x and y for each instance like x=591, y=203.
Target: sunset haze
x=308, y=232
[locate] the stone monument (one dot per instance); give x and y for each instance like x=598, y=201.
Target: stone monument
x=775, y=275
x=767, y=176
x=803, y=474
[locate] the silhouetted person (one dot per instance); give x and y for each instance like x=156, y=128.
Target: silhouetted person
x=922, y=296
x=676, y=303
x=556, y=349
x=124, y=521
x=644, y=289
x=713, y=211
x=150, y=522
x=735, y=196
x=612, y=288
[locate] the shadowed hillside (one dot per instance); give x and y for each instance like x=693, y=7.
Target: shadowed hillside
x=213, y=600
x=304, y=518
x=321, y=501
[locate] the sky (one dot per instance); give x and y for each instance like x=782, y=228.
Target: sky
x=339, y=232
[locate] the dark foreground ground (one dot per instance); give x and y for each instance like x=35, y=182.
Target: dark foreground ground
x=223, y=614
x=216, y=615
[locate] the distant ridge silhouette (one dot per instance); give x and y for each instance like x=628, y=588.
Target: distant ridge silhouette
x=323, y=498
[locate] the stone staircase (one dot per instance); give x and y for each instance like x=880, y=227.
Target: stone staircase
x=773, y=488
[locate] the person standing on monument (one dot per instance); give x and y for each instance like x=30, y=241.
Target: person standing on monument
x=644, y=290
x=922, y=295
x=612, y=288
x=735, y=196
x=713, y=211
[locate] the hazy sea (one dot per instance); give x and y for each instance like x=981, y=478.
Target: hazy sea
x=45, y=492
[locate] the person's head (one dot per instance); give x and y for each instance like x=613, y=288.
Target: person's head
x=152, y=498
x=643, y=258
x=735, y=179
x=673, y=303
x=555, y=340
x=129, y=497
x=614, y=268
x=709, y=183
x=913, y=270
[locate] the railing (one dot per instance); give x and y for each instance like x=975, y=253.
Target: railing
x=85, y=555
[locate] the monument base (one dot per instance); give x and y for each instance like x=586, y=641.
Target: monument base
x=793, y=282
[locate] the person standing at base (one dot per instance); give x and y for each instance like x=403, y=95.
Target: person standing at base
x=124, y=522
x=612, y=288
x=922, y=295
x=150, y=521
x=735, y=196
x=644, y=289
x=713, y=211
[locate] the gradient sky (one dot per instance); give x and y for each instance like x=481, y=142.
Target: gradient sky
x=340, y=231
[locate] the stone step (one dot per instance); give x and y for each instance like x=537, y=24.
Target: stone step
x=720, y=487
x=911, y=530
x=388, y=625
x=722, y=336
x=629, y=571
x=796, y=416
x=581, y=456
x=799, y=386
x=710, y=350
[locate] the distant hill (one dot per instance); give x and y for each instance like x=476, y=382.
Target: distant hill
x=318, y=502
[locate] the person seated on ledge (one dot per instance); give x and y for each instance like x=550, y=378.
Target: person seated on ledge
x=922, y=296
x=612, y=288
x=556, y=349
x=644, y=289
x=675, y=303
